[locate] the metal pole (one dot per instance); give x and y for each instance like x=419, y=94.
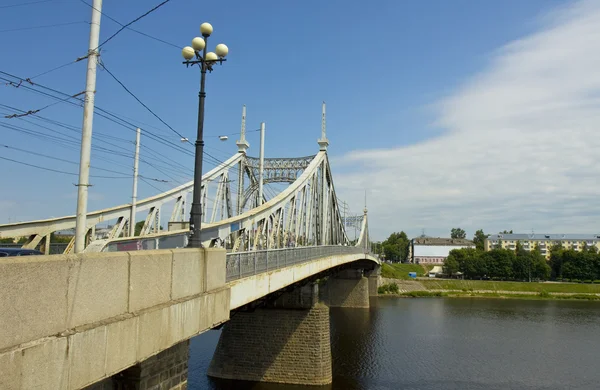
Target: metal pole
x=86, y=131
x=135, y=181
x=242, y=146
x=261, y=163
x=195, y=240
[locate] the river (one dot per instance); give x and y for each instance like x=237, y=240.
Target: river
x=449, y=343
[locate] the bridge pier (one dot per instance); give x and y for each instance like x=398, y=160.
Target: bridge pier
x=285, y=342
x=349, y=288
x=374, y=276
x=167, y=370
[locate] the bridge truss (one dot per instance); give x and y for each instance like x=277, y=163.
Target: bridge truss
x=305, y=213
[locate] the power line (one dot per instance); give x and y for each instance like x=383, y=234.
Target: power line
x=53, y=69
x=22, y=4
x=128, y=28
x=76, y=163
x=103, y=113
x=45, y=26
x=139, y=101
x=151, y=185
x=63, y=172
x=31, y=112
x=130, y=23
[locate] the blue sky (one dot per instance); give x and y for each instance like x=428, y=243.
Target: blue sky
x=389, y=71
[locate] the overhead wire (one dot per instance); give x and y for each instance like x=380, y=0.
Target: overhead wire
x=139, y=101
x=76, y=163
x=129, y=28
x=22, y=4
x=102, y=112
x=63, y=172
x=45, y=26
x=123, y=27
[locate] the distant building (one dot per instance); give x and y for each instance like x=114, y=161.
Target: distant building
x=543, y=241
x=430, y=250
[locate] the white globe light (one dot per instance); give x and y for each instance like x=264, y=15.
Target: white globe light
x=206, y=29
x=198, y=44
x=210, y=56
x=222, y=50
x=188, y=53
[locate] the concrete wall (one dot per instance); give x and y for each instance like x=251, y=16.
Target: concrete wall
x=70, y=320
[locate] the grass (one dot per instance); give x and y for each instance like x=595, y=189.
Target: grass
x=390, y=288
x=400, y=271
x=462, y=294
x=470, y=285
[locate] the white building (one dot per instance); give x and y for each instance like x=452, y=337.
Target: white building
x=429, y=250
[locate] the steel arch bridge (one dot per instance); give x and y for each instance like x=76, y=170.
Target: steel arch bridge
x=305, y=213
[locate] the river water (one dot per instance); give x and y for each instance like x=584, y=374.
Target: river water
x=448, y=343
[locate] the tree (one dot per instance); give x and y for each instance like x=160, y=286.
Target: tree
x=6, y=240
x=451, y=265
x=506, y=232
x=479, y=239
x=458, y=233
x=138, y=228
x=500, y=263
x=395, y=247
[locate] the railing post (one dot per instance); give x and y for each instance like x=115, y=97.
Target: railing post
x=255, y=262
x=240, y=263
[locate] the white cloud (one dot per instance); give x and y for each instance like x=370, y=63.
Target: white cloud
x=521, y=148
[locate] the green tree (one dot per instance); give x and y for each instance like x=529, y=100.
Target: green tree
x=506, y=232
x=395, y=247
x=138, y=228
x=6, y=240
x=59, y=239
x=451, y=265
x=500, y=263
x=479, y=239
x=458, y=233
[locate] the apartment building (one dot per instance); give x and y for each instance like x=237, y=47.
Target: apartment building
x=543, y=241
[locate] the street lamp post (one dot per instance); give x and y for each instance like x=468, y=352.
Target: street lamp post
x=197, y=55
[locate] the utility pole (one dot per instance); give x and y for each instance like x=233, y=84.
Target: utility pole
x=86, y=131
x=136, y=161
x=261, y=163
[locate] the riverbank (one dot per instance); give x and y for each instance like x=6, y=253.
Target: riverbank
x=494, y=294
x=487, y=289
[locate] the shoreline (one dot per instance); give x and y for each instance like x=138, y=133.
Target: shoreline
x=494, y=294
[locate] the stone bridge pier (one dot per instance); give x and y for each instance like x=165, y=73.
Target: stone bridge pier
x=287, y=341
x=349, y=288
x=374, y=276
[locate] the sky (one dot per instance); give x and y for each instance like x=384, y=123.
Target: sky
x=464, y=113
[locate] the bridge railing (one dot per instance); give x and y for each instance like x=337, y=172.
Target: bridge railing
x=243, y=264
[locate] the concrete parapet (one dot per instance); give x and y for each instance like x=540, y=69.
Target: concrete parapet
x=349, y=288
x=286, y=342
x=70, y=320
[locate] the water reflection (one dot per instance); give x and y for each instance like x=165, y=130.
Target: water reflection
x=467, y=344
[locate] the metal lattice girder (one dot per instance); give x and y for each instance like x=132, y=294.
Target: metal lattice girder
x=280, y=169
x=41, y=228
x=305, y=213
